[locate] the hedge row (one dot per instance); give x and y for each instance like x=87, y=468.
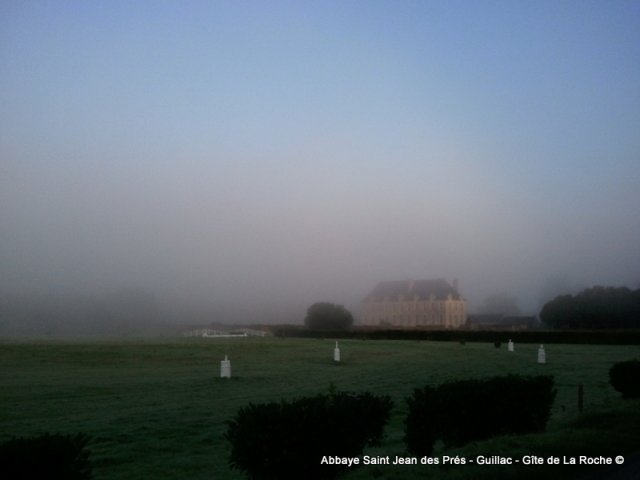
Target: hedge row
x=289, y=439
x=464, y=411
x=53, y=457
x=625, y=378
x=600, y=337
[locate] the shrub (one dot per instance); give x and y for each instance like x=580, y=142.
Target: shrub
x=422, y=428
x=54, y=457
x=625, y=378
x=480, y=409
x=464, y=411
x=289, y=439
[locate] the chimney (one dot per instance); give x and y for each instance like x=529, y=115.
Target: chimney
x=410, y=284
x=455, y=285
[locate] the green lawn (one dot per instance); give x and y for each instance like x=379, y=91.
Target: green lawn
x=157, y=409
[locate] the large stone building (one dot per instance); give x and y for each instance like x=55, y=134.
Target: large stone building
x=415, y=303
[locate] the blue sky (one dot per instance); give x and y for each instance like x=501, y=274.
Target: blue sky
x=307, y=150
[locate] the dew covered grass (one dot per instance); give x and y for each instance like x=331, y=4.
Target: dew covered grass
x=157, y=409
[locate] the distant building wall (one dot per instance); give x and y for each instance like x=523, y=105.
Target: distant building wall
x=419, y=303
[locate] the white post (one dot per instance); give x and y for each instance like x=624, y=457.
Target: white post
x=336, y=353
x=510, y=346
x=225, y=368
x=542, y=356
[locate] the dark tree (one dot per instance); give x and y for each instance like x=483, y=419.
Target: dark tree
x=594, y=308
x=328, y=316
x=559, y=312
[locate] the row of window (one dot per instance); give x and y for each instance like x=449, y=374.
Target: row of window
x=421, y=306
x=412, y=320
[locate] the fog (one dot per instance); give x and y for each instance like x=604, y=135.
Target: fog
x=241, y=174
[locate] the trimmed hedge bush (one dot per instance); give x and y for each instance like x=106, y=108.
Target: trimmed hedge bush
x=422, y=425
x=289, y=439
x=625, y=378
x=54, y=457
x=464, y=411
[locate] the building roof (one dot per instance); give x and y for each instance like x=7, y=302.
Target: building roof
x=424, y=289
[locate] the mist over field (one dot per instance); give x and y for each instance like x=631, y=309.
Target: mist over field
x=236, y=162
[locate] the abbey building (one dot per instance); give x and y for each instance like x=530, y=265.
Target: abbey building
x=415, y=303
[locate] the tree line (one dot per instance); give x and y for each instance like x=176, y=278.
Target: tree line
x=594, y=308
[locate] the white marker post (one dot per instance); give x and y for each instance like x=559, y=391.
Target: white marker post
x=225, y=368
x=336, y=353
x=542, y=356
x=510, y=346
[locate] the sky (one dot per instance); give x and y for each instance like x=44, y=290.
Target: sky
x=251, y=158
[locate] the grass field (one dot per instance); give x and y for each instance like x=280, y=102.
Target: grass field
x=157, y=409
